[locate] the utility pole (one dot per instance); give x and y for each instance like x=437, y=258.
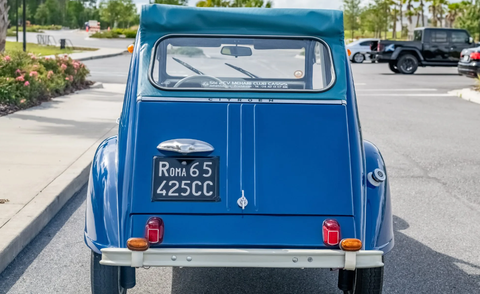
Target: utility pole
x=16, y=18
x=24, y=26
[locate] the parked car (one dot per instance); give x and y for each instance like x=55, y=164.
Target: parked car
x=469, y=64
x=430, y=47
x=358, y=50
x=239, y=145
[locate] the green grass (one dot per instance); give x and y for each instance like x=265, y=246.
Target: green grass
x=37, y=49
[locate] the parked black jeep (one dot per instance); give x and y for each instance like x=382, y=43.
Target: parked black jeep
x=430, y=47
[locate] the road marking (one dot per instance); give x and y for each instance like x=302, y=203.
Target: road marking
x=396, y=90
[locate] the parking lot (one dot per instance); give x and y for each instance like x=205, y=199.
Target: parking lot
x=429, y=140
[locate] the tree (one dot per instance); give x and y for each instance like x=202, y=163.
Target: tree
x=42, y=16
x=454, y=10
x=351, y=15
x=234, y=3
x=118, y=12
x=3, y=24
x=470, y=19
x=171, y=2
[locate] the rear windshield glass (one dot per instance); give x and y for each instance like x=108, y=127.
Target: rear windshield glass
x=231, y=63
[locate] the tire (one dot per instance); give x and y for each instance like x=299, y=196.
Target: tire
x=369, y=281
x=104, y=279
x=407, y=64
x=393, y=67
x=358, y=58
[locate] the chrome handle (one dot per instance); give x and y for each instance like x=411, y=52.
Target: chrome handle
x=185, y=146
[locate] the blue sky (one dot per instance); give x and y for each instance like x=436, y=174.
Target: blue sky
x=325, y=4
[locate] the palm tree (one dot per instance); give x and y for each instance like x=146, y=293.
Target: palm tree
x=433, y=10
x=3, y=24
x=422, y=6
x=454, y=10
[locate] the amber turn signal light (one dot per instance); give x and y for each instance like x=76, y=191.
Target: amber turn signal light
x=137, y=244
x=349, y=52
x=130, y=48
x=351, y=244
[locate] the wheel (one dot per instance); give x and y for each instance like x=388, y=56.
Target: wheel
x=407, y=64
x=358, y=58
x=369, y=281
x=104, y=279
x=393, y=67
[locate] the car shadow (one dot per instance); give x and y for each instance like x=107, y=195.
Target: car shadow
x=411, y=267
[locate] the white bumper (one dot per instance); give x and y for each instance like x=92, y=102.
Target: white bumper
x=275, y=258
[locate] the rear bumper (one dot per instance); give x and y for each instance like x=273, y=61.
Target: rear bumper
x=469, y=70
x=273, y=258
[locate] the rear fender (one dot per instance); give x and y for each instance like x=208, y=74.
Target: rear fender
x=407, y=50
x=101, y=216
x=379, y=224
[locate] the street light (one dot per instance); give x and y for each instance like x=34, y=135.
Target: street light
x=24, y=26
x=16, y=18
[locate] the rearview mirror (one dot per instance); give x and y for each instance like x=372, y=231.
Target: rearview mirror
x=236, y=51
x=470, y=40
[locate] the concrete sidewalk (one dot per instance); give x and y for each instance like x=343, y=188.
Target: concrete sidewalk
x=45, y=155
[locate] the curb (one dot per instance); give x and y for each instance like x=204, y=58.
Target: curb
x=23, y=227
x=101, y=56
x=467, y=94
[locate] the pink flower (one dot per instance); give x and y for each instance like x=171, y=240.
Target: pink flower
x=18, y=72
x=67, y=79
x=66, y=55
x=71, y=77
x=23, y=100
x=26, y=84
x=47, y=58
x=49, y=74
x=33, y=73
x=20, y=78
x=8, y=79
x=7, y=58
x=63, y=66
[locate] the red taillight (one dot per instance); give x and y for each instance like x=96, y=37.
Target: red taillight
x=154, y=230
x=475, y=56
x=331, y=232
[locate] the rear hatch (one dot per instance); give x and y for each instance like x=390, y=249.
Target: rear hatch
x=285, y=159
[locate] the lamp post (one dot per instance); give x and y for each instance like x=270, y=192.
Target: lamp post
x=24, y=26
x=16, y=18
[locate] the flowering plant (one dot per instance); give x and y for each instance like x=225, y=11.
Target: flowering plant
x=27, y=79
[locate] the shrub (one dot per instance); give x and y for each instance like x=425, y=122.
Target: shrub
x=115, y=33
x=26, y=79
x=105, y=34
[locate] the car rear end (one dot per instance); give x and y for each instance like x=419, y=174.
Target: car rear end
x=469, y=64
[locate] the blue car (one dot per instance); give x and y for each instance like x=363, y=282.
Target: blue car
x=239, y=145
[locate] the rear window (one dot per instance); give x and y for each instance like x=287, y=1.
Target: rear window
x=417, y=35
x=242, y=64
x=460, y=37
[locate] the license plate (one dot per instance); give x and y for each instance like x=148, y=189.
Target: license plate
x=185, y=179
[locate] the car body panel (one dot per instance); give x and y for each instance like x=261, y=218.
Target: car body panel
x=257, y=143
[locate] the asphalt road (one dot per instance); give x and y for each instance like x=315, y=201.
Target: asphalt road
x=430, y=143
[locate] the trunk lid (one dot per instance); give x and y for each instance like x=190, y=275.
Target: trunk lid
x=287, y=159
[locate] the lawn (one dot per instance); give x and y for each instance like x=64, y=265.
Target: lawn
x=37, y=49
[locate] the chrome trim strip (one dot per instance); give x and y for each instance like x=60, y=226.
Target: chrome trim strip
x=243, y=100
